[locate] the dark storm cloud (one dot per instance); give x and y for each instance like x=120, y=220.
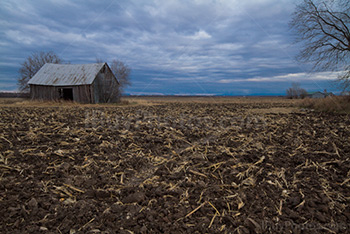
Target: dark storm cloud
x=173, y=47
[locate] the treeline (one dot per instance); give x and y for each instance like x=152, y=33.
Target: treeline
x=296, y=92
x=14, y=95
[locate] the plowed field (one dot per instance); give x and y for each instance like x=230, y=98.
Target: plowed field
x=174, y=168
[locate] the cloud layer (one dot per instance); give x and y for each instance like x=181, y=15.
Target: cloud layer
x=223, y=47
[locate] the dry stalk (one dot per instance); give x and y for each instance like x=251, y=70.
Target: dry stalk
x=212, y=220
x=201, y=196
x=250, y=181
x=152, y=181
x=9, y=168
x=323, y=152
x=279, y=208
x=245, y=173
x=336, y=149
x=257, y=226
x=216, y=210
x=62, y=191
x=240, y=203
x=193, y=211
x=216, y=166
x=300, y=204
x=74, y=188
x=197, y=173
x=281, y=174
x=327, y=229
x=11, y=145
x=91, y=220
x=345, y=181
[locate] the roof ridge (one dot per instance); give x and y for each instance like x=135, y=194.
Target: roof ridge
x=73, y=64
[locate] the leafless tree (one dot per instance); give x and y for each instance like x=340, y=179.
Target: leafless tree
x=323, y=26
x=296, y=92
x=122, y=73
x=344, y=79
x=32, y=65
x=99, y=60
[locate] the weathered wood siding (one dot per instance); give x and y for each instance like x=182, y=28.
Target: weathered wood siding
x=42, y=92
x=106, y=87
x=81, y=93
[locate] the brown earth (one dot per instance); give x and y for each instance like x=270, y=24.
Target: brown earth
x=174, y=168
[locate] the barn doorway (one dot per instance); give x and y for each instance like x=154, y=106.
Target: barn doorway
x=66, y=94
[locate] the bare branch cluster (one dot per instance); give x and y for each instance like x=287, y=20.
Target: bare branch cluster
x=324, y=28
x=122, y=73
x=32, y=65
x=344, y=79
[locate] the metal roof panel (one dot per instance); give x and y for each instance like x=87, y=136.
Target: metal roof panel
x=66, y=74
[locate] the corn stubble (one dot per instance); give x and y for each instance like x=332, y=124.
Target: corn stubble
x=173, y=168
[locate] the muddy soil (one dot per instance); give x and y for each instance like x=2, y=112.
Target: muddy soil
x=173, y=168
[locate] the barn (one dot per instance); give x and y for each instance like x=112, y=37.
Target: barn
x=320, y=94
x=317, y=95
x=83, y=83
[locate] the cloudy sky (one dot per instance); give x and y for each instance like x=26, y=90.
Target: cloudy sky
x=198, y=47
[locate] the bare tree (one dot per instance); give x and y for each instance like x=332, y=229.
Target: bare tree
x=324, y=28
x=99, y=60
x=32, y=65
x=344, y=79
x=122, y=73
x=296, y=92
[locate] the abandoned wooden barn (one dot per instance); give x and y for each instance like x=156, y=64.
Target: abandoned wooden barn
x=84, y=83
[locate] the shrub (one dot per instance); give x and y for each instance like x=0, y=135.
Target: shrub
x=328, y=104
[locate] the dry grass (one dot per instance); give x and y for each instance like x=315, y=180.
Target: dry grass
x=23, y=102
x=329, y=104
x=8, y=101
x=275, y=110
x=151, y=101
x=148, y=100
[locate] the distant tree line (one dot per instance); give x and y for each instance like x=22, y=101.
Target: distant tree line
x=296, y=91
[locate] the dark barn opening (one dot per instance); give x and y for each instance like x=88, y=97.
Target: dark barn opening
x=66, y=94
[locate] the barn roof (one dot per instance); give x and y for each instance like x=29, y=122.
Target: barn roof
x=66, y=74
